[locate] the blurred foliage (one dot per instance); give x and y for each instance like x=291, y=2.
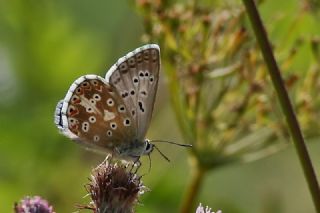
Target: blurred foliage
x=218, y=82
x=45, y=45
x=219, y=86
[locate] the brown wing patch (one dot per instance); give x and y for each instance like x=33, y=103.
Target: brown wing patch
x=97, y=115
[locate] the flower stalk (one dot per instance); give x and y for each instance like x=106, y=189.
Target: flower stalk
x=193, y=189
x=220, y=87
x=284, y=100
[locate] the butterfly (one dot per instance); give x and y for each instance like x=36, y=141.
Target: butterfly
x=112, y=114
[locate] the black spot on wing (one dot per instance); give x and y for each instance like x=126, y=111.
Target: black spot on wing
x=141, y=106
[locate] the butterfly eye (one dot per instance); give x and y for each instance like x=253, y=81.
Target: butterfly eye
x=146, y=74
x=149, y=147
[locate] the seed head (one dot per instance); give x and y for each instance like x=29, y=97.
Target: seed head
x=114, y=188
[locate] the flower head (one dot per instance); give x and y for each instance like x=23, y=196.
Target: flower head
x=33, y=205
x=201, y=209
x=114, y=188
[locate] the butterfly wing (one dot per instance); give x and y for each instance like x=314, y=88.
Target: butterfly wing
x=136, y=76
x=114, y=113
x=94, y=114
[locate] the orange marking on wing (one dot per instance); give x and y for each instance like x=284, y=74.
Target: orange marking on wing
x=73, y=112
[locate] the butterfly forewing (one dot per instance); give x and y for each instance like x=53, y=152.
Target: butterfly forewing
x=136, y=76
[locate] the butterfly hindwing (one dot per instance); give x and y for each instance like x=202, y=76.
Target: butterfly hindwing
x=95, y=114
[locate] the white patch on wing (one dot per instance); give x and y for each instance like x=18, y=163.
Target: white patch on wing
x=108, y=115
x=89, y=105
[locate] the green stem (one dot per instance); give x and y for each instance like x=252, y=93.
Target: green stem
x=188, y=203
x=285, y=103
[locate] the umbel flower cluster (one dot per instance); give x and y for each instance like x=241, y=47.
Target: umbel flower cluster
x=219, y=85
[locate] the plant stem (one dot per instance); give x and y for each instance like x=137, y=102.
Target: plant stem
x=193, y=190
x=285, y=103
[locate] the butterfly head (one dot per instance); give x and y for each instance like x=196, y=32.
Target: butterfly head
x=148, y=147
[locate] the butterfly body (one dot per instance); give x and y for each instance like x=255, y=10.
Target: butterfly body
x=112, y=114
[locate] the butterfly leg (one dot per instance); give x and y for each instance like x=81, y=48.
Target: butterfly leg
x=136, y=164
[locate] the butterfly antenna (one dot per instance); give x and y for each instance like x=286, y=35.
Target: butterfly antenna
x=165, y=157
x=149, y=163
x=170, y=142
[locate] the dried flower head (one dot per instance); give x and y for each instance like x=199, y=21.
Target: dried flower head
x=33, y=205
x=114, y=188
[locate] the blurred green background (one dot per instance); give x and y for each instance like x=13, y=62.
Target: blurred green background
x=45, y=46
